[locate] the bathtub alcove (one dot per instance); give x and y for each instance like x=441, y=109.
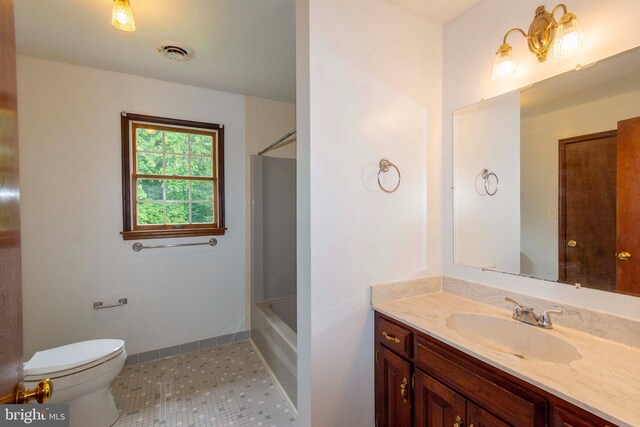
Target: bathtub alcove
x=273, y=267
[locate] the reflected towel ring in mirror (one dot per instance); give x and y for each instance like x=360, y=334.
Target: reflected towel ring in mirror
x=486, y=176
x=385, y=165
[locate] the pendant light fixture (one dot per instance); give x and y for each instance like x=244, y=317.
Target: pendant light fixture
x=122, y=16
x=565, y=36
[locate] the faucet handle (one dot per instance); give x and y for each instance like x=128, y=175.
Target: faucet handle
x=514, y=302
x=517, y=304
x=545, y=319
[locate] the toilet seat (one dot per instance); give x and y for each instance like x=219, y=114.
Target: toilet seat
x=70, y=359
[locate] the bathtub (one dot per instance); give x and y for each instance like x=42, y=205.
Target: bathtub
x=273, y=330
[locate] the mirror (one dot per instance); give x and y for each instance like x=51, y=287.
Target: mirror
x=546, y=179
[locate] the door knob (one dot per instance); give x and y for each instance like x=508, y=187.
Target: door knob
x=41, y=394
x=624, y=256
x=572, y=243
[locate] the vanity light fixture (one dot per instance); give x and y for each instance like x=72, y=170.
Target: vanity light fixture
x=565, y=36
x=122, y=16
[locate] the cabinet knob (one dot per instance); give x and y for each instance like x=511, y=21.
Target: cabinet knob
x=458, y=422
x=572, y=243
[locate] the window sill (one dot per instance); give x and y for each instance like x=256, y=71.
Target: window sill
x=164, y=234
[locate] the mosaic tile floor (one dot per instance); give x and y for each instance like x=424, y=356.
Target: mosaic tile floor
x=223, y=386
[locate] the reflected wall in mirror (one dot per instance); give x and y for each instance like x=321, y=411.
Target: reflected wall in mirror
x=566, y=195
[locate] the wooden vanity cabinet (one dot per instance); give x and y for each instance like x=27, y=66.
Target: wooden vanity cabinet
x=422, y=382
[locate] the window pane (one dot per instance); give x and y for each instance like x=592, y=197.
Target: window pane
x=201, y=190
x=202, y=212
x=177, y=165
x=149, y=189
x=150, y=213
x=201, y=144
x=201, y=166
x=149, y=140
x=177, y=213
x=149, y=164
x=177, y=190
x=175, y=142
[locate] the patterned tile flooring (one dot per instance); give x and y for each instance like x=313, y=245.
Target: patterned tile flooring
x=223, y=386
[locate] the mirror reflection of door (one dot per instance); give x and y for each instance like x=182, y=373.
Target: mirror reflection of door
x=628, y=207
x=598, y=203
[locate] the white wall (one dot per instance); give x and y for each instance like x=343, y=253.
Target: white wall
x=375, y=91
x=469, y=44
x=540, y=135
x=73, y=254
x=487, y=228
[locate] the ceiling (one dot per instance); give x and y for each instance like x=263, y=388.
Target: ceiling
x=441, y=11
x=242, y=46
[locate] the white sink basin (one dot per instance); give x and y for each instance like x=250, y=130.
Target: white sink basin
x=512, y=337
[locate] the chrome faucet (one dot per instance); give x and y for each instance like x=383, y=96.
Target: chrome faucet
x=526, y=315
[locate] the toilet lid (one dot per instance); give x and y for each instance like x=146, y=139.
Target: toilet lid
x=71, y=356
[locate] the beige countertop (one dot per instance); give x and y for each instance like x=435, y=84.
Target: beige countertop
x=605, y=381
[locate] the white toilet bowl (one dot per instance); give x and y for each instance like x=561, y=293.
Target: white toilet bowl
x=81, y=374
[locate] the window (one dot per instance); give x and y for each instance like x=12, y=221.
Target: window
x=173, y=177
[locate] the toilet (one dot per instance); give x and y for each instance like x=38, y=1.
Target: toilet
x=81, y=374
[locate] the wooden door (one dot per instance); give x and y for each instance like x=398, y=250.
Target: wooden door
x=436, y=405
x=587, y=210
x=393, y=389
x=10, y=282
x=478, y=417
x=628, y=206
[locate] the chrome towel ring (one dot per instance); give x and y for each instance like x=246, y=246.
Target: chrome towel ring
x=385, y=165
x=486, y=177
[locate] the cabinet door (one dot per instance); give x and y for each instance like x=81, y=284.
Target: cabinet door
x=393, y=389
x=478, y=417
x=436, y=405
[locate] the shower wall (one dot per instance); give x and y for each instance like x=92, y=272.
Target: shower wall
x=273, y=228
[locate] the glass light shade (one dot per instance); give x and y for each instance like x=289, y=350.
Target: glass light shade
x=505, y=66
x=122, y=16
x=569, y=36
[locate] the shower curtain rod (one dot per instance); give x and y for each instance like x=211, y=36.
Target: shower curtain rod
x=281, y=140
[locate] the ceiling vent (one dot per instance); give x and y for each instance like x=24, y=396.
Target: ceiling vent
x=176, y=51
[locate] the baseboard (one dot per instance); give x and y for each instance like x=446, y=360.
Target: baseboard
x=190, y=347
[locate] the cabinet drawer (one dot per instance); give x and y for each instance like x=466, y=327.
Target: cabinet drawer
x=394, y=337
x=563, y=418
x=477, y=416
x=517, y=408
